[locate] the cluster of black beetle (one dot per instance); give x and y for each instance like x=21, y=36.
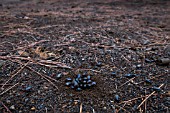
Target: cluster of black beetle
x=80, y=82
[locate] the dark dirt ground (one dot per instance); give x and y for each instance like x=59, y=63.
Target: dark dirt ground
x=106, y=39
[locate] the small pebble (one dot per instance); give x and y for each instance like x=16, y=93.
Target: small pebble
x=113, y=73
x=145, y=42
x=28, y=88
x=139, y=66
x=8, y=101
x=148, y=81
x=148, y=60
x=45, y=87
x=12, y=107
x=33, y=108
x=99, y=64
x=58, y=76
x=117, y=98
x=104, y=108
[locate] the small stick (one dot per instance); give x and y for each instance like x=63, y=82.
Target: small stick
x=5, y=107
x=122, y=108
x=33, y=44
x=59, y=64
x=43, y=77
x=59, y=45
x=148, y=97
x=90, y=70
x=12, y=76
x=8, y=89
x=81, y=107
x=127, y=82
x=48, y=26
x=125, y=58
x=145, y=102
x=94, y=111
x=40, y=62
x=133, y=99
x=46, y=110
x=41, y=74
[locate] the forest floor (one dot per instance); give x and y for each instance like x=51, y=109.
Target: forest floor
x=123, y=45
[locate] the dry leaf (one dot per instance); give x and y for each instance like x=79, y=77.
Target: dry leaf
x=46, y=55
x=51, y=55
x=23, y=53
x=39, y=49
x=43, y=55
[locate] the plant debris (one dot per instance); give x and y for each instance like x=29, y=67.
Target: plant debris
x=84, y=56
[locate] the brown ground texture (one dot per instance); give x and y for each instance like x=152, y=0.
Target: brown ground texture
x=124, y=45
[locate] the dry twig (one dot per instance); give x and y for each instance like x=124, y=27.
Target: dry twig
x=43, y=76
x=127, y=101
x=13, y=75
x=40, y=62
x=121, y=108
x=8, y=89
x=33, y=44
x=81, y=107
x=5, y=107
x=127, y=82
x=148, y=97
